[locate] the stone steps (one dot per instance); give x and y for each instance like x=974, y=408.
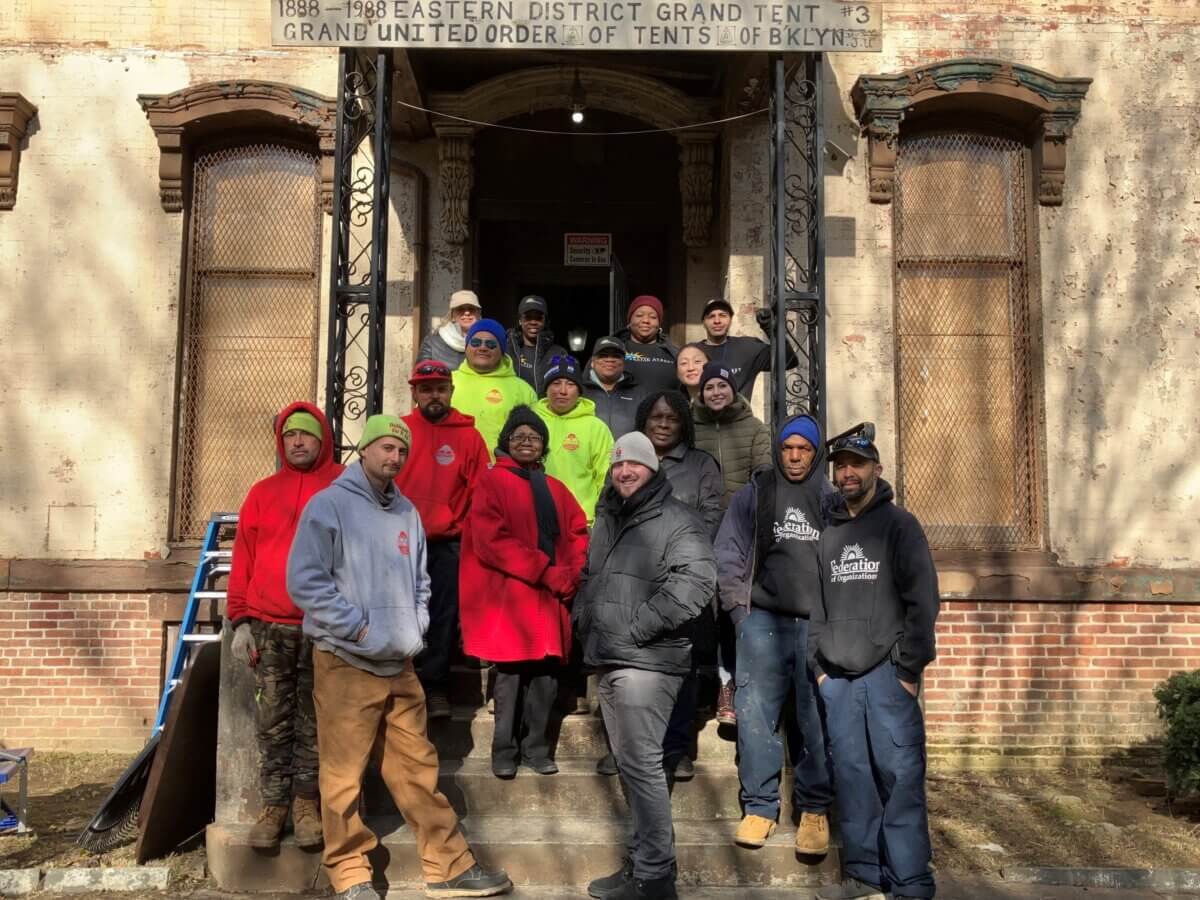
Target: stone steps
x=472, y=788
x=534, y=850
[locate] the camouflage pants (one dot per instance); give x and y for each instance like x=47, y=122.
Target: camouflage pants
x=284, y=713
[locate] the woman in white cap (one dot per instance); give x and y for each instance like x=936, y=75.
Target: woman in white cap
x=449, y=343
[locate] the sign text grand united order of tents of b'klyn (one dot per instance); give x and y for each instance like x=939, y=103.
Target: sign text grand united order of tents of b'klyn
x=759, y=25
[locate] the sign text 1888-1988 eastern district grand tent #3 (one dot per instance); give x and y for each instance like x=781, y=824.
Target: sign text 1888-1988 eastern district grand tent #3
x=771, y=25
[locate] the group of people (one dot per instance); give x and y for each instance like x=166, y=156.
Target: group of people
x=552, y=519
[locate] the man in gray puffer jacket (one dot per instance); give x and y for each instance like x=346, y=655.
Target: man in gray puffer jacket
x=649, y=574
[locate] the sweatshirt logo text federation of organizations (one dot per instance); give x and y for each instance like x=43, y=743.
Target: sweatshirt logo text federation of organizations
x=795, y=527
x=853, y=566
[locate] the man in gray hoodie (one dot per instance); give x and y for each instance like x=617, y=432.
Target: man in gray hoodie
x=357, y=570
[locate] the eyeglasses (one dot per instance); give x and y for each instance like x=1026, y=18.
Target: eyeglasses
x=563, y=360
x=526, y=438
x=426, y=369
x=480, y=342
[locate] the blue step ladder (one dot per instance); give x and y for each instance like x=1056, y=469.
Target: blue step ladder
x=212, y=563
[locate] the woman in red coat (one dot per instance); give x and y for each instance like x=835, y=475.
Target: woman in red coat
x=523, y=549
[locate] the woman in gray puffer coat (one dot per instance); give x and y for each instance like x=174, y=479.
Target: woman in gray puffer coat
x=726, y=428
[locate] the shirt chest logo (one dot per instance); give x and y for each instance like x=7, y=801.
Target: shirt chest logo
x=402, y=543
x=494, y=396
x=853, y=566
x=795, y=527
x=444, y=455
x=570, y=442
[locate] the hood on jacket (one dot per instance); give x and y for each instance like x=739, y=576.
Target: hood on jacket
x=452, y=419
x=324, y=455
x=355, y=480
x=583, y=408
x=736, y=411
x=504, y=370
x=516, y=340
x=838, y=511
x=818, y=460
x=627, y=379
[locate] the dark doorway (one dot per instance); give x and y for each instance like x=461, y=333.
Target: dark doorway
x=532, y=189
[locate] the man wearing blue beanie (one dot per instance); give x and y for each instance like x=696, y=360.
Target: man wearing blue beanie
x=486, y=386
x=768, y=569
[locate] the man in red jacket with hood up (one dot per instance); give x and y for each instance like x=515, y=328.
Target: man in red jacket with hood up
x=444, y=463
x=266, y=625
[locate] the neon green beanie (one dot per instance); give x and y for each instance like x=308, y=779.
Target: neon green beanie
x=384, y=426
x=302, y=421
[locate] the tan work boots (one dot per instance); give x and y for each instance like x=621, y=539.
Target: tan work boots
x=306, y=824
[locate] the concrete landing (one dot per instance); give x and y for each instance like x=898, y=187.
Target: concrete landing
x=534, y=850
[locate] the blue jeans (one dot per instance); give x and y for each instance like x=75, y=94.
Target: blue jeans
x=877, y=736
x=772, y=653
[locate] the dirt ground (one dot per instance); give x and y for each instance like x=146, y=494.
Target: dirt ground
x=981, y=822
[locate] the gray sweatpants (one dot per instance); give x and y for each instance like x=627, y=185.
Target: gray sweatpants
x=637, y=705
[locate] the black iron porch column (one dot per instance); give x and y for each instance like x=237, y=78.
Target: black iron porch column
x=796, y=263
x=358, y=257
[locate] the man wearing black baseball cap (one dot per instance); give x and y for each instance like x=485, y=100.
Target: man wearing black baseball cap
x=869, y=638
x=744, y=356
x=530, y=344
x=615, y=390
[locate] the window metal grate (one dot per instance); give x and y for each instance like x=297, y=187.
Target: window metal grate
x=251, y=323
x=968, y=448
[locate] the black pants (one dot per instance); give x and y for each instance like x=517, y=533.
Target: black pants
x=524, y=693
x=441, y=640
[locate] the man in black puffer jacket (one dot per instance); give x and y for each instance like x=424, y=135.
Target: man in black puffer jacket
x=649, y=575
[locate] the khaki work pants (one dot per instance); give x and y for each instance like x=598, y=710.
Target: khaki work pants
x=360, y=715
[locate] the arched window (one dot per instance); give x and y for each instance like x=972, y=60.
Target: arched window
x=251, y=319
x=965, y=374
x=250, y=164
x=965, y=149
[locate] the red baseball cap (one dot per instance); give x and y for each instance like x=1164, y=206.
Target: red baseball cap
x=430, y=370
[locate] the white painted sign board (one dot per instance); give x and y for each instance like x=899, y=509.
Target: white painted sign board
x=759, y=25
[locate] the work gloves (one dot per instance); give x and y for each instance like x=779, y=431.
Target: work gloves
x=243, y=647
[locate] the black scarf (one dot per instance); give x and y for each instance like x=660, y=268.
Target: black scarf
x=543, y=506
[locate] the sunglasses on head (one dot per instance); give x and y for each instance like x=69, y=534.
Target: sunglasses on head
x=431, y=369
x=857, y=441
x=563, y=360
x=480, y=342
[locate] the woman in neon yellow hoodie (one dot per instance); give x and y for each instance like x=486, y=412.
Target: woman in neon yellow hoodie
x=580, y=442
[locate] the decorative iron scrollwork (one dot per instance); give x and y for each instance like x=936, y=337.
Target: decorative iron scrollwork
x=358, y=281
x=796, y=278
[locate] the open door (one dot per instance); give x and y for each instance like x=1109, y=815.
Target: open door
x=618, y=294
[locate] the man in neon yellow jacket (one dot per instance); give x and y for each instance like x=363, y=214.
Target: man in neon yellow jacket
x=580, y=443
x=485, y=385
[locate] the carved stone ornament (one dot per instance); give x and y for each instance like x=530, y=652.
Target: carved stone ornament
x=696, y=154
x=15, y=115
x=456, y=177
x=1040, y=106
x=215, y=107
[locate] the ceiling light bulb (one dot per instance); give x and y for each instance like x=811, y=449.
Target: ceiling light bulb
x=577, y=116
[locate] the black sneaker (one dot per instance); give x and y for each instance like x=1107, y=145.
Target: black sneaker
x=651, y=889
x=472, y=883
x=680, y=767
x=541, y=766
x=614, y=884
x=363, y=891
x=851, y=889
x=607, y=765
x=437, y=706
x=502, y=768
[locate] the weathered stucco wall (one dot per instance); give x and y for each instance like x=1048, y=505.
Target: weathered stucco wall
x=1120, y=265
x=91, y=265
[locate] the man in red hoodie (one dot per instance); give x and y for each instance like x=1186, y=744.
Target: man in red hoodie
x=445, y=461
x=266, y=625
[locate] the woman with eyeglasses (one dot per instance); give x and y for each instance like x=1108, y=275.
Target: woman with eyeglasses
x=523, y=549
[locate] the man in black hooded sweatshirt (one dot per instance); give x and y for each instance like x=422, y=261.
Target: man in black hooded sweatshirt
x=870, y=638
x=769, y=575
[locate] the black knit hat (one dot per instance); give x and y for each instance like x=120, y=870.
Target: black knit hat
x=562, y=367
x=679, y=405
x=522, y=415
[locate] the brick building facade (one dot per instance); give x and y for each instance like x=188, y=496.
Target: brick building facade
x=1053, y=633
